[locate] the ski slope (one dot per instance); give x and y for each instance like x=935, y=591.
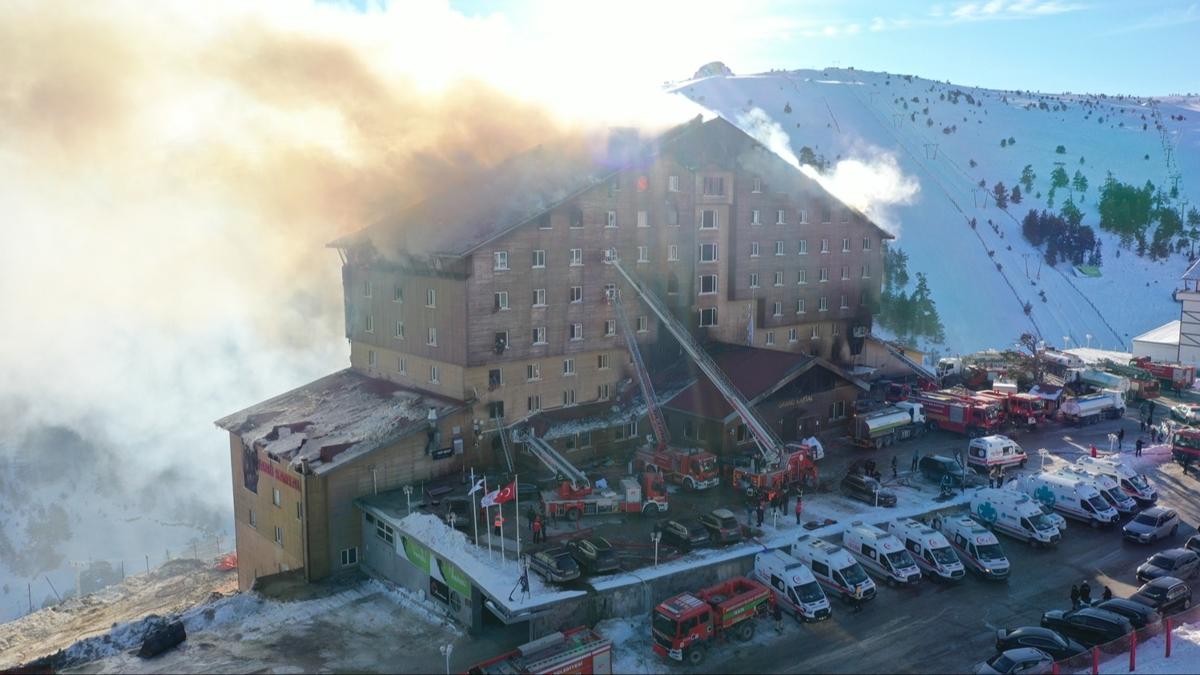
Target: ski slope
x=978, y=275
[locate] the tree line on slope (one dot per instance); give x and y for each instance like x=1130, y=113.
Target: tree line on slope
x=908, y=315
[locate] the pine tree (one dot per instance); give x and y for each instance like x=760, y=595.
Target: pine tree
x=1058, y=178
x=1015, y=197
x=1080, y=182
x=1001, y=194
x=1027, y=177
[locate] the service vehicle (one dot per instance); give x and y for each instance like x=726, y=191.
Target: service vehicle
x=960, y=415
x=988, y=452
x=1105, y=485
x=867, y=489
x=723, y=526
x=1185, y=446
x=1099, y=379
x=1021, y=660
x=1188, y=413
x=1090, y=409
x=578, y=650
x=685, y=535
x=1051, y=515
x=555, y=565
x=1151, y=525
x=1088, y=625
x=796, y=589
x=1037, y=637
x=934, y=554
x=1069, y=496
x=1134, y=484
x=943, y=470
x=692, y=468
x=1173, y=562
x=648, y=494
x=1020, y=409
x=885, y=426
x=1174, y=375
x=1193, y=543
x=1139, y=615
x=594, y=554
x=976, y=546
x=685, y=626
x=1015, y=514
x=1167, y=595
x=834, y=567
x=1059, y=362
x=881, y=554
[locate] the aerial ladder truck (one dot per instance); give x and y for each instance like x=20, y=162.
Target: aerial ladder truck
x=777, y=465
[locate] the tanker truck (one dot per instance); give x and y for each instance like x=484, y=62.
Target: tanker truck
x=1108, y=404
x=882, y=427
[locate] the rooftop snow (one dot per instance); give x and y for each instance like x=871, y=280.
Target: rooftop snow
x=1092, y=356
x=1166, y=334
x=336, y=418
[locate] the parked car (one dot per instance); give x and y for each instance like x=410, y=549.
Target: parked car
x=1152, y=524
x=555, y=565
x=1186, y=412
x=867, y=489
x=939, y=468
x=1173, y=562
x=1193, y=543
x=723, y=527
x=1088, y=625
x=1168, y=595
x=1139, y=615
x=1057, y=646
x=594, y=554
x=1021, y=660
x=459, y=506
x=685, y=535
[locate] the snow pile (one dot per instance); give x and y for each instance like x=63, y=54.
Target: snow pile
x=632, y=651
x=417, y=605
x=1185, y=654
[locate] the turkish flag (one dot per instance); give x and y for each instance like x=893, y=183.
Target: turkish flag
x=496, y=497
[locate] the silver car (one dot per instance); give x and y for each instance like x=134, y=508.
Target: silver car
x=1173, y=562
x=1151, y=525
x=1019, y=660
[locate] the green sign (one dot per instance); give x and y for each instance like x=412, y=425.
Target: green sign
x=415, y=553
x=454, y=578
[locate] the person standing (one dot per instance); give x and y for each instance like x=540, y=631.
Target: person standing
x=498, y=523
x=856, y=599
x=895, y=467
x=914, y=462
x=777, y=614
x=1093, y=450
x=1137, y=448
x=1120, y=438
x=759, y=513
x=1074, y=597
x=1142, y=421
x=538, y=534
x=799, y=506
x=1085, y=593
x=1107, y=595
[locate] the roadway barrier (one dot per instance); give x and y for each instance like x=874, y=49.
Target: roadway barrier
x=1130, y=647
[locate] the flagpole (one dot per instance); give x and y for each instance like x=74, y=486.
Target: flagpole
x=500, y=510
x=517, y=515
x=487, y=514
x=474, y=511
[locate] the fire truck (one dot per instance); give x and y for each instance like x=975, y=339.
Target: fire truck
x=776, y=465
x=578, y=650
x=960, y=414
x=1019, y=409
x=1185, y=446
x=686, y=625
x=576, y=496
x=1174, y=375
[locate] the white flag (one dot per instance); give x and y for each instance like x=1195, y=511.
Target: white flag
x=489, y=499
x=478, y=486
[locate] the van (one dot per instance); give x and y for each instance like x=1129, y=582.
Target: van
x=834, y=567
x=1015, y=514
x=1106, y=486
x=942, y=470
x=988, y=452
x=976, y=546
x=930, y=548
x=881, y=554
x=1069, y=496
x=1132, y=483
x=796, y=589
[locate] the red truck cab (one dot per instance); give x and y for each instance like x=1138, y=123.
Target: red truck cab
x=685, y=625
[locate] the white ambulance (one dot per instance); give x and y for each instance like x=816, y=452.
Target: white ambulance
x=930, y=548
x=795, y=588
x=881, y=554
x=989, y=452
x=1106, y=486
x=976, y=546
x=1015, y=514
x=1069, y=496
x=834, y=567
x=1132, y=483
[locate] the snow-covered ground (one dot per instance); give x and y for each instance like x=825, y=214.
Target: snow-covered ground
x=866, y=120
x=1151, y=655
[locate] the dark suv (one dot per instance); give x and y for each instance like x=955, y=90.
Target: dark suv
x=685, y=535
x=1088, y=625
x=867, y=489
x=1165, y=594
x=595, y=554
x=723, y=527
x=1139, y=615
x=1044, y=639
x=936, y=468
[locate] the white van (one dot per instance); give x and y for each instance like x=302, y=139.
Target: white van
x=1015, y=514
x=881, y=553
x=1069, y=496
x=1132, y=483
x=796, y=589
x=988, y=452
x=976, y=546
x=834, y=567
x=1106, y=486
x=930, y=548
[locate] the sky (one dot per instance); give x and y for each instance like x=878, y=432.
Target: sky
x=1143, y=47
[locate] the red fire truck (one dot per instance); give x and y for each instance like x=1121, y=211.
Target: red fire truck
x=1019, y=409
x=1185, y=446
x=960, y=414
x=645, y=494
x=1174, y=375
x=693, y=468
x=684, y=626
x=578, y=650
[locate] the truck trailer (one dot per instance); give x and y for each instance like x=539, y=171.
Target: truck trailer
x=578, y=650
x=685, y=626
x=885, y=426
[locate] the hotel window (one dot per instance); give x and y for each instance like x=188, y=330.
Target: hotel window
x=611, y=220
x=845, y=272
x=779, y=278
x=500, y=260
x=370, y=323
x=643, y=254
x=800, y=306
x=672, y=283
x=866, y=271
x=672, y=183
x=279, y=535
x=837, y=410
x=708, y=253
x=824, y=275
x=754, y=249
x=826, y=215
x=824, y=246
x=643, y=219
x=779, y=248
x=602, y=361
x=495, y=378
x=397, y=294
x=845, y=216
x=401, y=365
x=672, y=252
x=754, y=280
x=835, y=330
x=568, y=367
x=756, y=186
x=792, y=335
x=777, y=309
x=714, y=186
x=276, y=498
x=539, y=297
x=803, y=216
x=576, y=331
x=539, y=259
x=431, y=338
x=577, y=294
x=755, y=217
x=614, y=185
x=672, y=215
x=803, y=250
x=708, y=317
x=534, y=403
x=845, y=245
x=544, y=221
x=610, y=254
x=569, y=397
x=576, y=257
x=431, y=297
x=643, y=323
x=781, y=217
x=400, y=330
x=602, y=392
x=816, y=332
x=708, y=284
x=539, y=335
x=385, y=532
x=610, y=327
x=533, y=371
x=610, y=291
x=823, y=304
x=500, y=338
x=844, y=304
x=253, y=520
x=866, y=243
x=367, y=288
x=434, y=375
x=770, y=339
x=708, y=219
x=371, y=358
x=802, y=276
x=500, y=301
x=349, y=556
x=576, y=221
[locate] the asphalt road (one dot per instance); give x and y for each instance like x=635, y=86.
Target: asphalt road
x=949, y=628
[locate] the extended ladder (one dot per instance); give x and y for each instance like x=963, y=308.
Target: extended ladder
x=504, y=444
x=556, y=462
x=657, y=423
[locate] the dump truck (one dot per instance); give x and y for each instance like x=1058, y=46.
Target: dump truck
x=1107, y=404
x=685, y=626
x=885, y=426
x=578, y=650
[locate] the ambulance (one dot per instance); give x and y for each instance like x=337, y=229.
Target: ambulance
x=1132, y=483
x=881, y=554
x=930, y=548
x=1106, y=486
x=976, y=546
x=1069, y=496
x=988, y=452
x=796, y=589
x=834, y=567
x=1015, y=514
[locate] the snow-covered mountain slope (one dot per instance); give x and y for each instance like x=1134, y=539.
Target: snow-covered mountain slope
x=978, y=275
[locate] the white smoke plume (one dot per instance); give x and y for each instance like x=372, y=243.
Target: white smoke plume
x=871, y=181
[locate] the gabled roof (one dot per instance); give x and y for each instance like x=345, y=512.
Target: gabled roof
x=1193, y=272
x=1166, y=334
